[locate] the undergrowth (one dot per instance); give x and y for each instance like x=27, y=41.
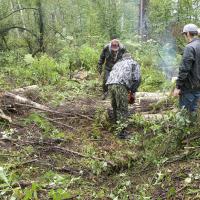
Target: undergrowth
x=140, y=163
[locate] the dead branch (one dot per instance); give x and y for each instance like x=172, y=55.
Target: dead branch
x=60, y=123
x=55, y=112
x=7, y=155
x=64, y=150
x=2, y=18
x=190, y=139
x=5, y=117
x=36, y=142
x=23, y=163
x=22, y=101
x=72, y=171
x=5, y=30
x=181, y=189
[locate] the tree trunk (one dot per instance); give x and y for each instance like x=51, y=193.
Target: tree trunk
x=5, y=42
x=21, y=14
x=143, y=18
x=13, y=8
x=41, y=26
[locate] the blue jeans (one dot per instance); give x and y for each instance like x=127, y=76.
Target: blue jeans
x=189, y=100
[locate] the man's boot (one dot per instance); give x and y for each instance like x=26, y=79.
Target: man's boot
x=123, y=134
x=104, y=96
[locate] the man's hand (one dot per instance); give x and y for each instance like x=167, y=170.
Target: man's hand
x=176, y=92
x=100, y=76
x=99, y=69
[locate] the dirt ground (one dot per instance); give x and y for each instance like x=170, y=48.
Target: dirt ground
x=75, y=148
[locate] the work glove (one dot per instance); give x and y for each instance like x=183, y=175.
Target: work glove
x=131, y=97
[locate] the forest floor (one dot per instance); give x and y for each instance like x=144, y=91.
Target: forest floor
x=73, y=153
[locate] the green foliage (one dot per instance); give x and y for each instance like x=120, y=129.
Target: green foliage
x=3, y=176
x=46, y=70
x=31, y=193
x=59, y=194
x=153, y=80
x=7, y=179
x=165, y=134
x=40, y=121
x=88, y=57
x=161, y=14
x=121, y=191
x=102, y=119
x=163, y=104
x=43, y=70
x=148, y=56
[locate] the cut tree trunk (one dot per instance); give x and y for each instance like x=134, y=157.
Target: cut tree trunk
x=24, y=100
x=152, y=94
x=144, y=99
x=24, y=90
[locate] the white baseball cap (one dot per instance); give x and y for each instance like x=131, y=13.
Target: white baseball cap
x=190, y=28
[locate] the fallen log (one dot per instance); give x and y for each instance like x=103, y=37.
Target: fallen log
x=152, y=94
x=31, y=88
x=56, y=112
x=151, y=99
x=24, y=100
x=153, y=117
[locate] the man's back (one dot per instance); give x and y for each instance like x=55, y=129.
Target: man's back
x=124, y=72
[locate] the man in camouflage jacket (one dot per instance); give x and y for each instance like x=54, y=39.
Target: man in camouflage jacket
x=125, y=77
x=110, y=54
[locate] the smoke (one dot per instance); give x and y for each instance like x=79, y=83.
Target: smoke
x=168, y=61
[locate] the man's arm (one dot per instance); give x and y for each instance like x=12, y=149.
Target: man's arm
x=123, y=48
x=101, y=60
x=187, y=62
x=136, y=78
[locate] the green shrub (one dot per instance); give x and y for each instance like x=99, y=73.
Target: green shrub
x=88, y=57
x=44, y=70
x=153, y=80
x=149, y=54
x=163, y=134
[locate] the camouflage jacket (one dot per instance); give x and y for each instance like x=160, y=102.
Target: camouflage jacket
x=125, y=72
x=109, y=57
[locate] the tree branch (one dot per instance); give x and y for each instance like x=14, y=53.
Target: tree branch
x=18, y=27
x=8, y=15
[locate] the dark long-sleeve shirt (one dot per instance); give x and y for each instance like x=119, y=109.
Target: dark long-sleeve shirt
x=189, y=71
x=109, y=57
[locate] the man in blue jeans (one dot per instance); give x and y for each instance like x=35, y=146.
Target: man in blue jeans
x=188, y=82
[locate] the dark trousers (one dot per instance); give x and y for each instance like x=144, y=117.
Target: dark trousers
x=105, y=78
